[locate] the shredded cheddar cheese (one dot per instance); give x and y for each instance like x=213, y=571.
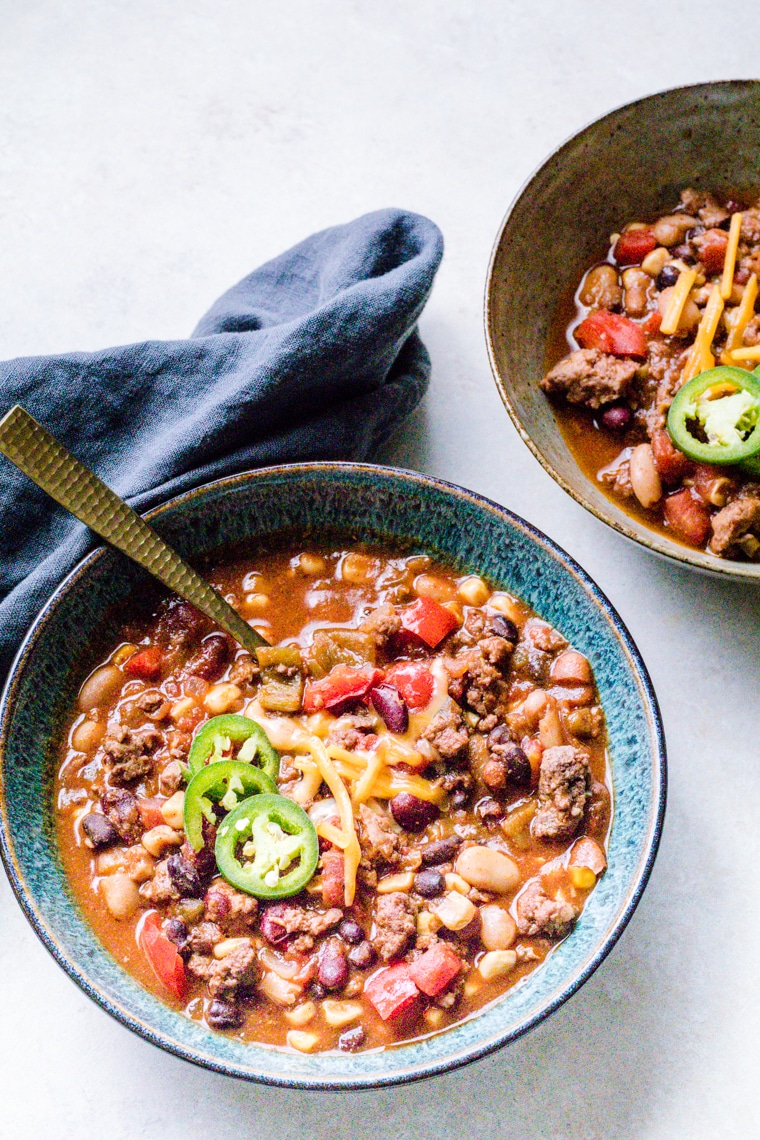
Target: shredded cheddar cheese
x=729, y=265
x=678, y=298
x=331, y=833
x=365, y=785
x=751, y=353
x=701, y=358
x=744, y=314
x=330, y=775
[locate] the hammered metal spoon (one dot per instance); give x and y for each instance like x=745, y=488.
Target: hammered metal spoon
x=37, y=453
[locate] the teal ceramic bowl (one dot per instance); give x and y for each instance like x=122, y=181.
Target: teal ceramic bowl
x=371, y=502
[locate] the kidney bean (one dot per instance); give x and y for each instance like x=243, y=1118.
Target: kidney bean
x=388, y=702
x=411, y=813
x=332, y=972
x=616, y=417
x=273, y=930
x=362, y=956
x=429, y=883
x=211, y=659
x=441, y=851
x=350, y=931
x=184, y=876
x=99, y=830
x=224, y=1015
x=351, y=1039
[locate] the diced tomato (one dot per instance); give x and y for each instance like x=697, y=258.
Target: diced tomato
x=163, y=957
x=609, y=332
x=652, y=323
x=414, y=681
x=436, y=969
x=671, y=463
x=333, y=879
x=429, y=620
x=145, y=664
x=632, y=247
x=391, y=990
x=712, y=245
x=688, y=517
x=705, y=476
x=343, y=683
x=150, y=812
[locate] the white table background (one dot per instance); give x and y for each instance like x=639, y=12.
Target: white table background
x=151, y=154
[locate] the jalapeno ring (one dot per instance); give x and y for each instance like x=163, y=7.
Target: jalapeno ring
x=722, y=406
x=267, y=847
x=219, y=733
x=225, y=782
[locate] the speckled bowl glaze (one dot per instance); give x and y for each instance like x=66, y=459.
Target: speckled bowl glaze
x=630, y=164
x=371, y=502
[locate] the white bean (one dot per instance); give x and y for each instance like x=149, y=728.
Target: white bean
x=497, y=963
x=487, y=869
x=121, y=896
x=645, y=478
x=497, y=928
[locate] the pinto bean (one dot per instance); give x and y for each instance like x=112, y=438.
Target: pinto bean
x=487, y=869
x=636, y=284
x=600, y=289
x=99, y=687
x=645, y=478
x=571, y=668
x=671, y=229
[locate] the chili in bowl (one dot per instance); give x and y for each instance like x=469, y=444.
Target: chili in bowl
x=394, y=841
x=626, y=355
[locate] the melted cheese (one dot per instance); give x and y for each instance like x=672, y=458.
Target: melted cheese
x=700, y=358
x=677, y=300
x=729, y=265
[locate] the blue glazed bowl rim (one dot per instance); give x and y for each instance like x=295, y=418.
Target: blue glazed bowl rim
x=412, y=1071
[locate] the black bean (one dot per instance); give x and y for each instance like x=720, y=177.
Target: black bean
x=667, y=276
x=99, y=830
x=442, y=851
x=176, y=931
x=412, y=813
x=224, y=1015
x=317, y=991
x=184, y=876
x=501, y=626
x=363, y=956
x=352, y=1039
x=725, y=224
x=350, y=931
x=429, y=883
x=332, y=972
x=460, y=798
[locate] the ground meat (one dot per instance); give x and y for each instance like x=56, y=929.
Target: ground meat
x=563, y=790
x=734, y=521
x=395, y=925
x=752, y=332
x=458, y=784
x=665, y=363
x=203, y=938
x=378, y=838
x=170, y=778
x=482, y=686
x=703, y=205
x=199, y=966
x=120, y=807
x=129, y=752
x=228, y=908
x=244, y=670
x=506, y=762
x=590, y=377
x=153, y=703
x=447, y=733
x=354, y=730
x=537, y=913
x=383, y=624
x=306, y=924
x=236, y=971
x=160, y=889
x=750, y=231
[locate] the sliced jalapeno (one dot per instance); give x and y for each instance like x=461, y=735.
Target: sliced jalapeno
x=214, y=741
x=267, y=847
x=715, y=418
x=224, y=783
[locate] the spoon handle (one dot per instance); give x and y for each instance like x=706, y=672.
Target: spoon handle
x=37, y=453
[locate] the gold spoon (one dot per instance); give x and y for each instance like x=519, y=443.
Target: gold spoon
x=37, y=453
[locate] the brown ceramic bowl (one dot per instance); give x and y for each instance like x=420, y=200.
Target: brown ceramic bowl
x=630, y=164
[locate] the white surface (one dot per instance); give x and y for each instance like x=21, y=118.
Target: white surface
x=153, y=153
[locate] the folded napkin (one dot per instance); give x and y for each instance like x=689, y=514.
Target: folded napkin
x=313, y=356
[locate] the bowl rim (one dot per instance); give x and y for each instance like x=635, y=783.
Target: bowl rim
x=658, y=544
x=414, y=1070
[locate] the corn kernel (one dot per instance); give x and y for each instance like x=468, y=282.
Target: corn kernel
x=504, y=604
x=173, y=811
x=455, y=882
x=182, y=707
x=583, y=878
x=401, y=882
x=455, y=911
x=159, y=838
x=303, y=1042
x=472, y=986
x=496, y=963
x=222, y=697
x=433, y=1016
x=339, y=1013
x=473, y=591
x=427, y=922
x=123, y=653
x=302, y=1014
x=227, y=945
